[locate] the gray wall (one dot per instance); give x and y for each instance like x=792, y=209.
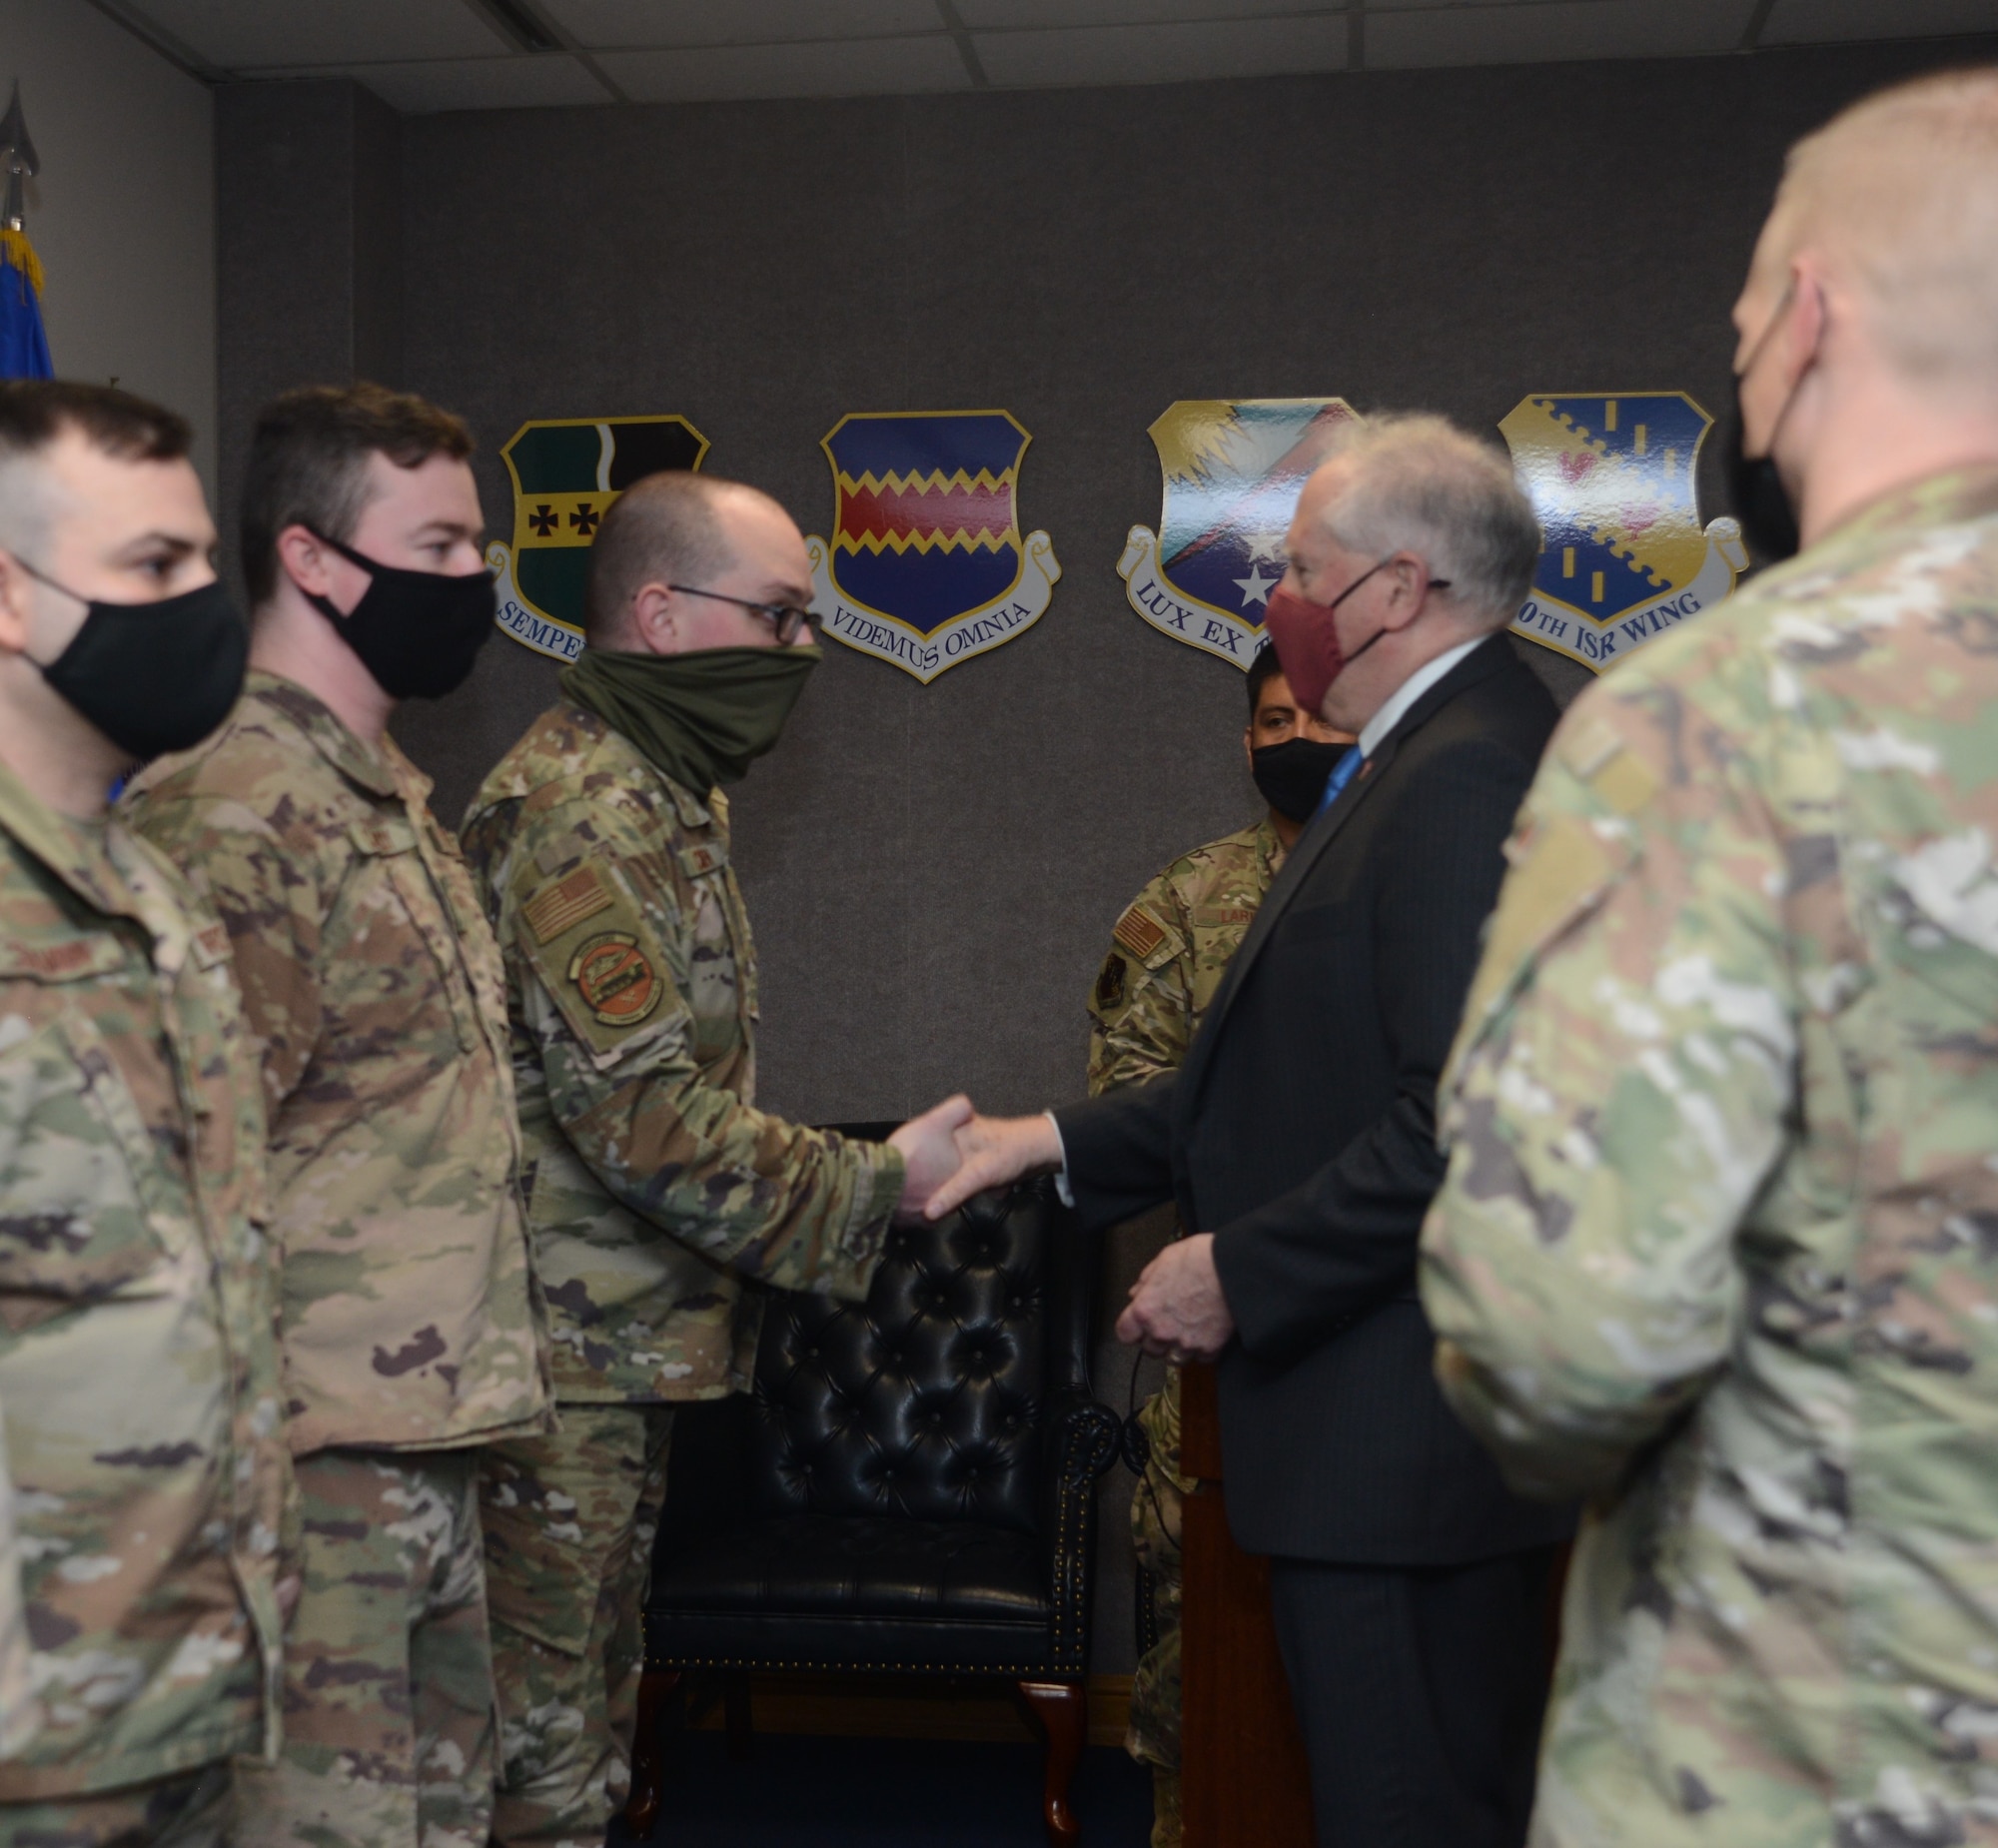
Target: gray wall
x=934, y=871
x=123, y=214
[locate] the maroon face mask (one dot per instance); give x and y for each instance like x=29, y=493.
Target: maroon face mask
x=1307, y=641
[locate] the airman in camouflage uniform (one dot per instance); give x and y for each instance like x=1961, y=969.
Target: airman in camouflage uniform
x=146, y=1505
x=1167, y=956
x=631, y=977
x=1716, y=1244
x=409, y=1321
x=663, y=1201
x=1166, y=960
x=413, y=1331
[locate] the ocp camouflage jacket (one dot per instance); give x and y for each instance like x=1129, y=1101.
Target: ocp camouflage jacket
x=411, y=1317
x=658, y=1186
x=139, y=1381
x=1719, y=1242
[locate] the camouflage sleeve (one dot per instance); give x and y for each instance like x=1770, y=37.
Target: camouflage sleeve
x=20, y=1711
x=795, y=1208
x=1142, y=1002
x=272, y=908
x=1616, y=1095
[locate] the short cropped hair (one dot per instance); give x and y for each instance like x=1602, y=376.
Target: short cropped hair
x=1263, y=668
x=309, y=464
x=1902, y=190
x=35, y=412
x=664, y=528
x=1419, y=483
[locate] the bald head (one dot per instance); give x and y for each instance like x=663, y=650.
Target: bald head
x=668, y=529
x=1898, y=197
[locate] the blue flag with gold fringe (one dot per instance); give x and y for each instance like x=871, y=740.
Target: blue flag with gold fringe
x=24, y=341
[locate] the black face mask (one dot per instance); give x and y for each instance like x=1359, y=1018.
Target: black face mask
x=1756, y=491
x=153, y=678
x=1293, y=775
x=417, y=632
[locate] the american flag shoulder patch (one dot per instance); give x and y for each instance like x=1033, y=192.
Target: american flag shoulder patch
x=1139, y=933
x=561, y=907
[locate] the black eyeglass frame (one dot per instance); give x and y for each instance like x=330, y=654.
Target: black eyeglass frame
x=786, y=618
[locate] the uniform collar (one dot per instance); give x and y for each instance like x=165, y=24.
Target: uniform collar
x=1269, y=849
x=1943, y=500
x=76, y=852
x=693, y=812
x=310, y=716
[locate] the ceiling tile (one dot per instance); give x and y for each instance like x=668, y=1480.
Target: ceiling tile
x=1804, y=22
x=851, y=67
x=624, y=22
x=240, y=34
x=1553, y=31
x=1004, y=14
x=1163, y=54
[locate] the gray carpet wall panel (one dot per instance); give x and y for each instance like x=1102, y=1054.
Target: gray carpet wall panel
x=934, y=871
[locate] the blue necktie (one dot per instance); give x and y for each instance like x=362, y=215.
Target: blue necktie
x=1346, y=769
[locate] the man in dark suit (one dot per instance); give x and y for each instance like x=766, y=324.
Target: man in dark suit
x=1409, y=1585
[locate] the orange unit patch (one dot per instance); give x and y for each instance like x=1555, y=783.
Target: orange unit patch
x=617, y=983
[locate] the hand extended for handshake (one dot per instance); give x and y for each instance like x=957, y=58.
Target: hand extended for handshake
x=1176, y=1309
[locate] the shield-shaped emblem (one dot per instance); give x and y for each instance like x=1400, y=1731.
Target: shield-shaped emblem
x=1614, y=479
x=927, y=566
x=1233, y=469
x=566, y=472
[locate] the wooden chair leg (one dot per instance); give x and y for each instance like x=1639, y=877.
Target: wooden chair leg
x=740, y=1717
x=649, y=1759
x=1063, y=1711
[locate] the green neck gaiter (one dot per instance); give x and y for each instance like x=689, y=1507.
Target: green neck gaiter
x=697, y=717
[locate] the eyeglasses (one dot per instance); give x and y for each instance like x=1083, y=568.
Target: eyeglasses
x=786, y=618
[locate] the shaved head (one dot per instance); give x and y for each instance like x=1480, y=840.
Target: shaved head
x=667, y=529
x=1899, y=193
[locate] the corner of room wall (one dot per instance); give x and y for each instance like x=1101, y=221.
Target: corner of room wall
x=123, y=213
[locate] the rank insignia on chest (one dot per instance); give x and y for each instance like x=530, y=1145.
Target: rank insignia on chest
x=927, y=566
x=615, y=979
x=1234, y=470
x=566, y=472
x=1623, y=555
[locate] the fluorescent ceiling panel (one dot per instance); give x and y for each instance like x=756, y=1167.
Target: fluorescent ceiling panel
x=851, y=67
x=602, y=24
x=1548, y=33
x=247, y=34
x=1819, y=21
x=1162, y=53
x=987, y=14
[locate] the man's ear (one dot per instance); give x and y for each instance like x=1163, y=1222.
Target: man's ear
x=1805, y=323
x=1412, y=577
x=654, y=618
x=17, y=609
x=303, y=558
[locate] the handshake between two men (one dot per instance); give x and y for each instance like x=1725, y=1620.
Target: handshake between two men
x=1176, y=1309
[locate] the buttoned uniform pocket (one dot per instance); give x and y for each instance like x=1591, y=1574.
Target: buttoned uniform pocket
x=406, y=902
x=86, y=1211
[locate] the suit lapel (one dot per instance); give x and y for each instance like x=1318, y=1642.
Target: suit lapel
x=1478, y=666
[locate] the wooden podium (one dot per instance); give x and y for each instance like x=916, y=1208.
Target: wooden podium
x=1244, y=1779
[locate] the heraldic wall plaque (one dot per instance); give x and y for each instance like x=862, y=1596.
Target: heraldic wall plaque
x=927, y=566
x=1614, y=479
x=1234, y=470
x=567, y=471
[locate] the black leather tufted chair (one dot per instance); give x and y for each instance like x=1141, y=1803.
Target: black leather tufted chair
x=907, y=1488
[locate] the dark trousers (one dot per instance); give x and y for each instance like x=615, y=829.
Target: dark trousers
x=1419, y=1695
